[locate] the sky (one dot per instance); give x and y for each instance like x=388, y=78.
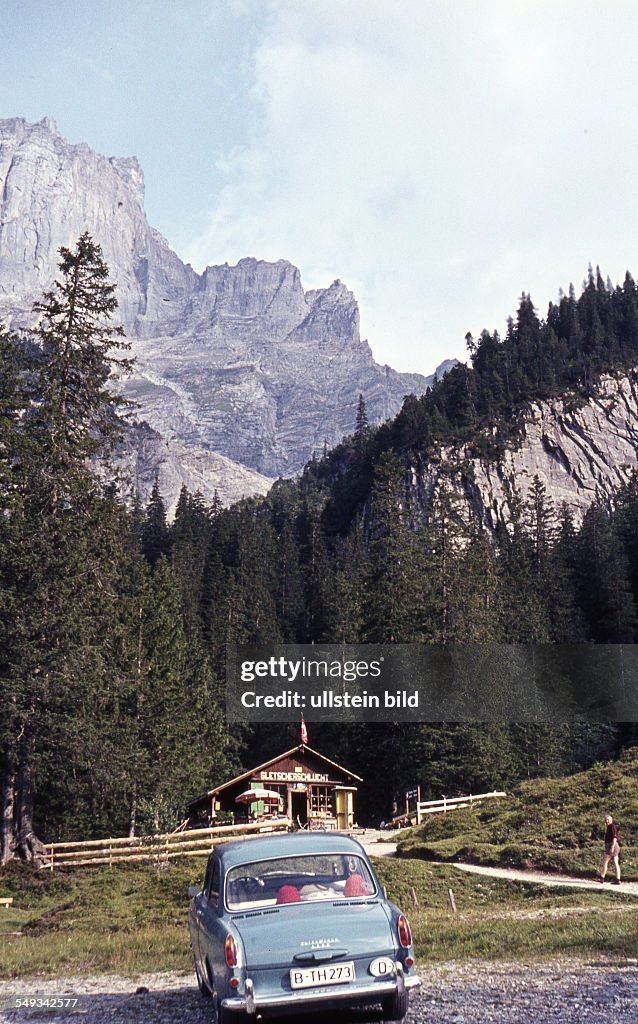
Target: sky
x=439, y=158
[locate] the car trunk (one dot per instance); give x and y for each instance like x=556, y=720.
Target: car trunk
x=309, y=934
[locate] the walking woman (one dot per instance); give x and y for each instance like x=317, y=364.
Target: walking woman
x=612, y=850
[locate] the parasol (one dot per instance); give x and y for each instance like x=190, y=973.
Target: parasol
x=251, y=796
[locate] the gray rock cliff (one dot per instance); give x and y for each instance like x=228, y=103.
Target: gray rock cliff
x=581, y=453
x=238, y=360
x=145, y=457
x=51, y=192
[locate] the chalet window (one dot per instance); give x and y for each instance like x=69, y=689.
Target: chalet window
x=322, y=801
x=281, y=788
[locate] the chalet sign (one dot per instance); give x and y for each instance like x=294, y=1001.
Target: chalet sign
x=300, y=776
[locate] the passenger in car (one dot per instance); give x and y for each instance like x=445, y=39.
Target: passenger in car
x=288, y=894
x=355, y=886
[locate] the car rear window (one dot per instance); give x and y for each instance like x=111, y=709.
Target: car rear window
x=302, y=879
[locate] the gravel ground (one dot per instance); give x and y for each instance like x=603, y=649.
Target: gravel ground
x=453, y=993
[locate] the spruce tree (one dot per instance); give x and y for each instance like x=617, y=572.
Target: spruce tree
x=77, y=411
x=54, y=579
x=345, y=592
x=362, y=427
x=394, y=598
x=170, y=717
x=604, y=580
x=155, y=539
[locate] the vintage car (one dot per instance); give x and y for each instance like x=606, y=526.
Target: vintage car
x=298, y=922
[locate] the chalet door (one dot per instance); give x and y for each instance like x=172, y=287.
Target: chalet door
x=299, y=807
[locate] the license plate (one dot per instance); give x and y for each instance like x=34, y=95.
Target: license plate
x=331, y=974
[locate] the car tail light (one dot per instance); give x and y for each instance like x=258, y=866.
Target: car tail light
x=405, y=932
x=231, y=951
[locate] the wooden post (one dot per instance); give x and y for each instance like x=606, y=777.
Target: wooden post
x=415, y=902
x=452, y=901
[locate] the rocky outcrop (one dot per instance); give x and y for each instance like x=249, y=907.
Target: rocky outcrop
x=51, y=192
x=238, y=360
x=145, y=457
x=581, y=452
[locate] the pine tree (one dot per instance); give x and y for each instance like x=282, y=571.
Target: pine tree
x=476, y=594
x=524, y=602
x=171, y=717
x=345, y=590
x=567, y=621
x=604, y=580
x=76, y=416
x=393, y=598
x=446, y=538
x=540, y=525
x=54, y=577
x=289, y=593
x=625, y=519
x=362, y=427
x=189, y=542
x=154, y=536
x=316, y=571
x=14, y=400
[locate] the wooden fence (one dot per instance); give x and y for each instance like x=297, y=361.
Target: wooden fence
x=422, y=808
x=425, y=807
x=159, y=848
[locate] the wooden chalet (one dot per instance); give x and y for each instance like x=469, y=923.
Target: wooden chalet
x=313, y=791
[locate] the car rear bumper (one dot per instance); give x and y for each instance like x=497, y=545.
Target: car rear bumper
x=353, y=994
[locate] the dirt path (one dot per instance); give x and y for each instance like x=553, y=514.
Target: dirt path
x=375, y=843
x=542, y=878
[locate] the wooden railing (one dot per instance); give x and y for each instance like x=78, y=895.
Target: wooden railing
x=195, y=842
x=422, y=808
x=425, y=807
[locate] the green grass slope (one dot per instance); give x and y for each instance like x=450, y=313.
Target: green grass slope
x=132, y=918
x=546, y=824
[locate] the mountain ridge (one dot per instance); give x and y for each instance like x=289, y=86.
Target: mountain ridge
x=251, y=365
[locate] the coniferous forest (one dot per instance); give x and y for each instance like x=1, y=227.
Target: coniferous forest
x=114, y=622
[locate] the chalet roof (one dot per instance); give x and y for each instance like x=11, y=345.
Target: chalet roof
x=300, y=748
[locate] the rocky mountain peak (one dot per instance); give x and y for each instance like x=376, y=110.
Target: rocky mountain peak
x=253, y=288
x=333, y=318
x=52, y=191
x=238, y=360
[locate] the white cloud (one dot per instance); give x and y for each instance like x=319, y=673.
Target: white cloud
x=438, y=158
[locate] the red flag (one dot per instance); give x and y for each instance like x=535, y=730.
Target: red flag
x=304, y=731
